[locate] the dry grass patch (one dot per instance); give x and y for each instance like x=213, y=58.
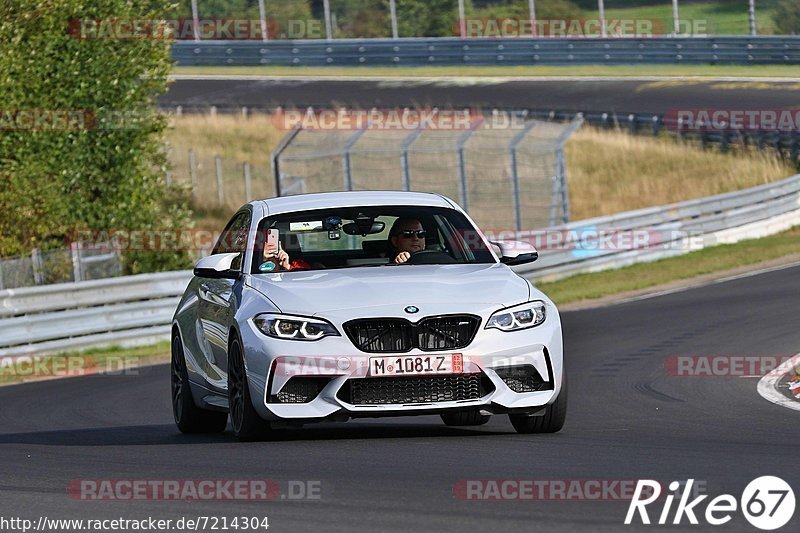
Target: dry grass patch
x=610, y=172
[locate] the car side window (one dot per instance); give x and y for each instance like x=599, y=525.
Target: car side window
x=234, y=237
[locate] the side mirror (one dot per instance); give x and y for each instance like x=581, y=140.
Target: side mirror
x=516, y=252
x=217, y=266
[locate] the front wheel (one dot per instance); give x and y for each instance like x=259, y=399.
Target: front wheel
x=188, y=417
x=551, y=422
x=246, y=422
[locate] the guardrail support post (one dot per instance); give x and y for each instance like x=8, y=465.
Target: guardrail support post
x=36, y=263
x=77, y=271
x=220, y=190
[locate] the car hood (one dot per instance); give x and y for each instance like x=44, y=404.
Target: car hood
x=457, y=287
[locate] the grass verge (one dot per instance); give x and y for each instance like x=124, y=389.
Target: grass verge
x=583, y=287
x=704, y=71
x=114, y=360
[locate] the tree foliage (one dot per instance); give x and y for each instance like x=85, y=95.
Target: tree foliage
x=105, y=171
x=787, y=17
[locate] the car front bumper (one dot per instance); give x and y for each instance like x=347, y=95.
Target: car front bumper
x=271, y=363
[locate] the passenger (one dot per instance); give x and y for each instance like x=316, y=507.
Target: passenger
x=279, y=262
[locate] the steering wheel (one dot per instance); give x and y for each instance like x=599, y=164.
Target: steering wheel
x=429, y=257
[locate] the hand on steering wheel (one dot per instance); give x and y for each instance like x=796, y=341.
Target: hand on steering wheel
x=401, y=258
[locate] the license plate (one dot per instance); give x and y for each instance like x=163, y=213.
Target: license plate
x=416, y=365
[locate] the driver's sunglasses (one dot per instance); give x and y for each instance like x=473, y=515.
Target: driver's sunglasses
x=407, y=234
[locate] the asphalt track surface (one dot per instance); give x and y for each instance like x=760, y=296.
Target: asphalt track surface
x=615, y=95
x=628, y=419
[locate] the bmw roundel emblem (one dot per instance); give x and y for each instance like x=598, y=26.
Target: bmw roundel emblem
x=411, y=309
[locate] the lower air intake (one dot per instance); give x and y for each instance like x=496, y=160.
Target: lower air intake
x=420, y=389
x=300, y=390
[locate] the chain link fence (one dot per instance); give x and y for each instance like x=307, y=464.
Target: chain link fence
x=507, y=173
x=62, y=265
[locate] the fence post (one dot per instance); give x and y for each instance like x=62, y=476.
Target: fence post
x=462, y=166
x=77, y=271
x=169, y=179
x=346, y=166
x=36, y=263
x=562, y=186
x=393, y=16
x=561, y=173
x=246, y=169
x=407, y=142
x=276, y=154
x=193, y=173
x=195, y=21
x=515, y=191
x=2, y=285
x=220, y=191
x=262, y=13
x=326, y=7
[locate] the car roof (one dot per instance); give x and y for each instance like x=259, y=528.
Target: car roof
x=306, y=202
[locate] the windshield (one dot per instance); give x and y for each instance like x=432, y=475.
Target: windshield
x=366, y=236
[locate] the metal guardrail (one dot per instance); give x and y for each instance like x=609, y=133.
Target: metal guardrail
x=72, y=316
x=664, y=231
x=515, y=51
x=138, y=309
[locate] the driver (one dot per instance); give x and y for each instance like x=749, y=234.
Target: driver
x=405, y=238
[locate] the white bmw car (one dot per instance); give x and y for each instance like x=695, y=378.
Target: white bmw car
x=332, y=306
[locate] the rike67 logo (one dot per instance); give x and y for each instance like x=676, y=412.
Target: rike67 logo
x=767, y=503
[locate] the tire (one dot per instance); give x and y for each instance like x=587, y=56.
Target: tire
x=551, y=422
x=188, y=417
x=247, y=425
x=465, y=418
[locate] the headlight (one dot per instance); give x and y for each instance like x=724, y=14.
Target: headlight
x=523, y=316
x=294, y=327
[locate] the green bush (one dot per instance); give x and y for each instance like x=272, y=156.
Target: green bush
x=105, y=170
x=787, y=17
